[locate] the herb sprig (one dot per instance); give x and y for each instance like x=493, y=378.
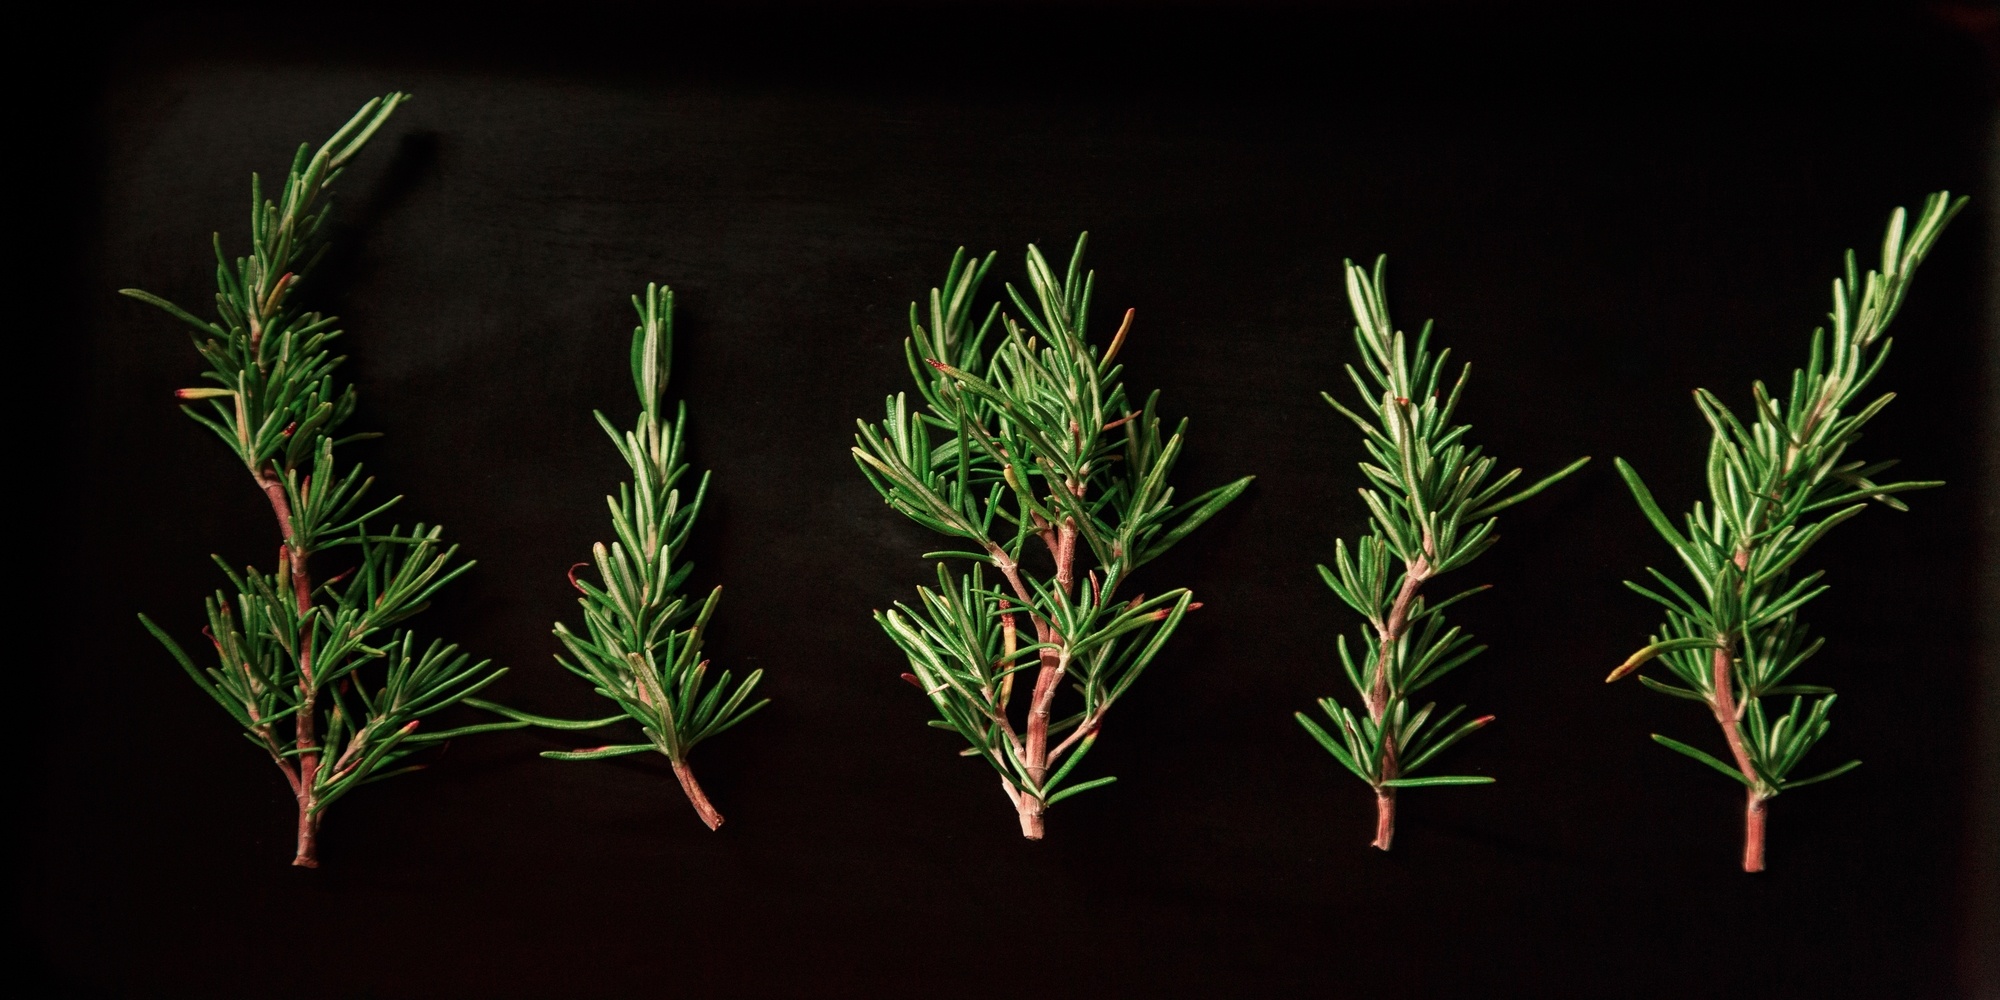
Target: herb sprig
x=296, y=659
x=644, y=638
x=1431, y=512
x=1028, y=453
x=1777, y=485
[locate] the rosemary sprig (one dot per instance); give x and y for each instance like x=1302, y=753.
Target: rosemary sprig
x=1030, y=444
x=290, y=653
x=1430, y=512
x=645, y=638
x=1777, y=485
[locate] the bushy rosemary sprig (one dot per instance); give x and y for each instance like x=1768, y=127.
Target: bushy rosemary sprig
x=645, y=638
x=291, y=653
x=1030, y=443
x=1430, y=512
x=1777, y=485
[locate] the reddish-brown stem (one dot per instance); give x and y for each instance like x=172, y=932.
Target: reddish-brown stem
x=1049, y=677
x=1753, y=830
x=1083, y=731
x=1729, y=714
x=277, y=757
x=1385, y=818
x=702, y=807
x=1012, y=571
x=292, y=560
x=1728, y=711
x=265, y=733
x=307, y=855
x=1414, y=576
x=1009, y=642
x=1399, y=621
x=1046, y=680
x=291, y=555
x=1030, y=810
x=1035, y=751
x=997, y=701
x=1065, y=553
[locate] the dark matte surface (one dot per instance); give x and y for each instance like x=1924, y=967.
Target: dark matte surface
x=1598, y=229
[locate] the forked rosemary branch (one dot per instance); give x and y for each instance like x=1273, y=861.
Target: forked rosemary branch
x=645, y=638
x=1777, y=485
x=290, y=652
x=1430, y=512
x=1028, y=451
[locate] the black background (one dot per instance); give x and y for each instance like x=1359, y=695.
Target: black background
x=1601, y=215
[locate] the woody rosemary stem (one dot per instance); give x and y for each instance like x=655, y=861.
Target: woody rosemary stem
x=1414, y=576
x=307, y=855
x=1385, y=817
x=702, y=806
x=1048, y=678
x=1730, y=716
x=292, y=563
x=1753, y=830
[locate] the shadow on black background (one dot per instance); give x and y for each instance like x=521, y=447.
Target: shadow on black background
x=1601, y=214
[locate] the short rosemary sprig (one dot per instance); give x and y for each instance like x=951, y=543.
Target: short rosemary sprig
x=1776, y=487
x=1430, y=512
x=1030, y=443
x=645, y=638
x=290, y=653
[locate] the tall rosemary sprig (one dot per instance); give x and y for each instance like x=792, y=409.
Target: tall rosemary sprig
x=1430, y=512
x=290, y=652
x=1777, y=485
x=645, y=638
x=1030, y=444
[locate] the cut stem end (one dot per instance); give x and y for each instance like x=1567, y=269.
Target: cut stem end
x=1753, y=831
x=307, y=854
x=1031, y=811
x=696, y=797
x=1385, y=818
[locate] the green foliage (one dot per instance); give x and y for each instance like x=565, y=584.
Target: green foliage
x=644, y=638
x=290, y=654
x=644, y=645
x=1431, y=500
x=1777, y=485
x=1029, y=455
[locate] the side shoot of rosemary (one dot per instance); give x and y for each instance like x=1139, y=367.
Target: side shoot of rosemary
x=1027, y=453
x=1777, y=484
x=1431, y=511
x=309, y=664
x=642, y=640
